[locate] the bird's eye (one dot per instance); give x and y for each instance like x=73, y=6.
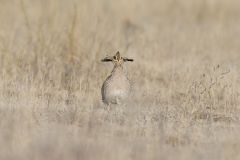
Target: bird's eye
x=114, y=57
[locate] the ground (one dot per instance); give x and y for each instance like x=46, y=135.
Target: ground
x=185, y=102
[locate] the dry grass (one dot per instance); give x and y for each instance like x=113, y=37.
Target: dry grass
x=186, y=103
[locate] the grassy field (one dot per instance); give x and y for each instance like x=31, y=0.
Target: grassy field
x=186, y=79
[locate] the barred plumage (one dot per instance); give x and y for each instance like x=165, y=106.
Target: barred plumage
x=116, y=87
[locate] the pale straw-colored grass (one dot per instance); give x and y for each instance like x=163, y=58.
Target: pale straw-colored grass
x=185, y=79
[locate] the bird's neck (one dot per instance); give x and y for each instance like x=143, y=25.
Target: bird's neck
x=117, y=69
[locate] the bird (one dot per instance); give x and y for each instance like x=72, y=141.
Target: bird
x=117, y=87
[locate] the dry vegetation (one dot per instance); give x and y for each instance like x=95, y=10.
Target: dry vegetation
x=186, y=102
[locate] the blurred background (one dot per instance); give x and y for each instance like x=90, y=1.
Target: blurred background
x=185, y=77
